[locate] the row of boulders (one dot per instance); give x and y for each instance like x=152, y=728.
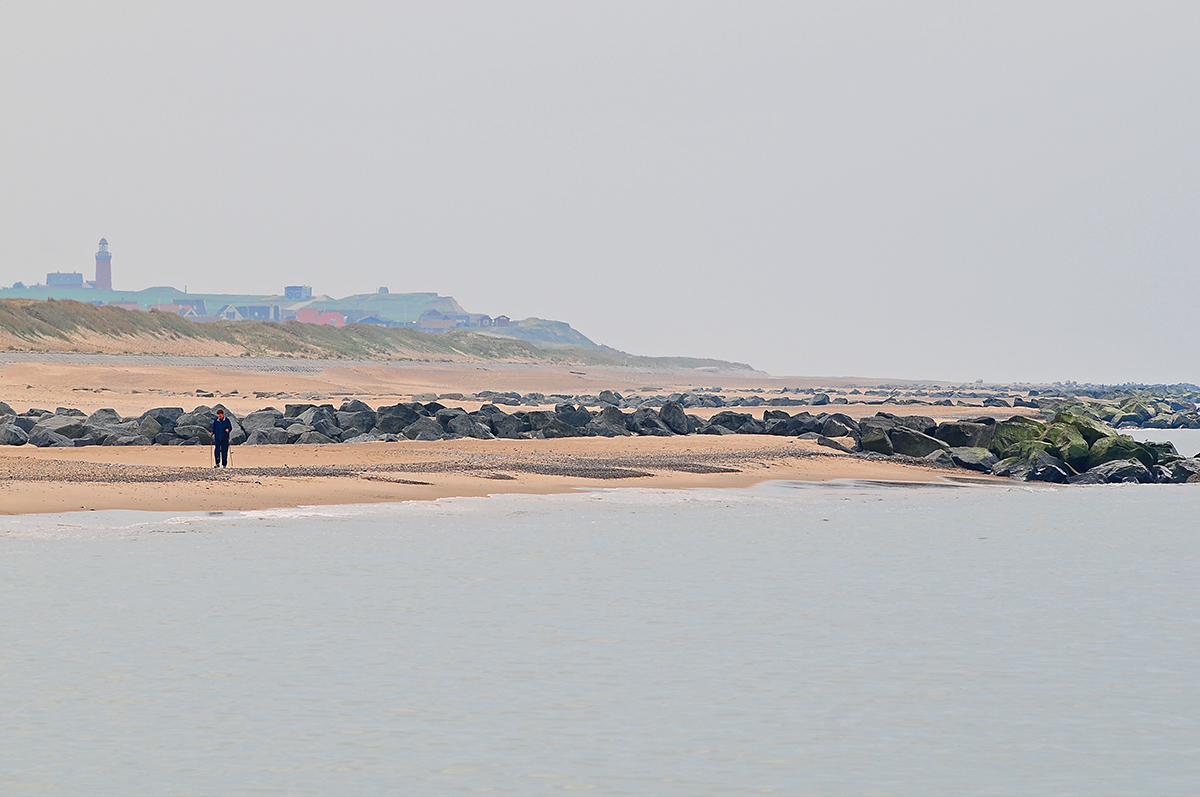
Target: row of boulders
x=1071, y=448
x=1138, y=411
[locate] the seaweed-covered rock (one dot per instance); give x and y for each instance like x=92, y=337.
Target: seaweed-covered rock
x=1109, y=449
x=1016, y=429
x=1069, y=445
x=1035, y=465
x=912, y=443
x=973, y=458
x=1093, y=430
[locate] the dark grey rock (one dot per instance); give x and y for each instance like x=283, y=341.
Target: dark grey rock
x=571, y=415
x=395, y=418
x=424, y=428
x=313, y=438
x=512, y=427
x=1119, y=471
x=609, y=422
x=128, y=440
x=148, y=427
x=25, y=422
x=268, y=419
x=43, y=437
x=69, y=426
x=912, y=443
x=70, y=412
x=354, y=405
x=195, y=432
x=13, y=435
x=645, y=421
x=942, y=459
x=845, y=443
x=964, y=434
x=730, y=420
x=674, y=418
x=104, y=417
x=875, y=438
x=294, y=410
x=920, y=423
x=356, y=421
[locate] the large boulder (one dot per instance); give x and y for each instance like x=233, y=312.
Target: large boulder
x=730, y=420
x=512, y=427
x=166, y=417
x=266, y=419
x=875, y=438
x=195, y=432
x=394, y=419
x=609, y=422
x=127, y=440
x=313, y=438
x=645, y=421
x=313, y=415
x=24, y=422
x=5, y=409
x=69, y=426
x=973, y=458
x=354, y=405
x=466, y=426
x=104, y=417
x=675, y=419
x=265, y=437
x=835, y=427
x=912, y=443
x=1036, y=466
x=1069, y=445
x=1093, y=430
x=1016, y=429
x=423, y=428
x=964, y=434
x=13, y=435
x=571, y=415
x=1116, y=471
x=355, y=422
x=921, y=423
x=1108, y=449
x=43, y=437
x=1181, y=470
x=149, y=427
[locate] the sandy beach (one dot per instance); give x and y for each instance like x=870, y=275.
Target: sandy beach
x=180, y=478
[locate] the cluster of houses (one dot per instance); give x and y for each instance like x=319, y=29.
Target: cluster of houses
x=432, y=321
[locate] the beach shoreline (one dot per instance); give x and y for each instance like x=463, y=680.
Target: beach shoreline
x=181, y=478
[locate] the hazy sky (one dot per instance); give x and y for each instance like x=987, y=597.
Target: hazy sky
x=1006, y=191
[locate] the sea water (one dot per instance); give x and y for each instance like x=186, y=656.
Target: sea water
x=795, y=639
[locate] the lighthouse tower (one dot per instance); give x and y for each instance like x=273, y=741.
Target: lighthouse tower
x=103, y=267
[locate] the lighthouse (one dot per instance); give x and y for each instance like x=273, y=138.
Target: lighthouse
x=103, y=267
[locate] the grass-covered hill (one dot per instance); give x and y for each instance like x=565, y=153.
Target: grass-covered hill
x=67, y=325
x=57, y=325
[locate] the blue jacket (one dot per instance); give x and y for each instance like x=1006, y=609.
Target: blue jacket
x=221, y=429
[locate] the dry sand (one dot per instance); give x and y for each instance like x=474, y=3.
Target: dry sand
x=180, y=478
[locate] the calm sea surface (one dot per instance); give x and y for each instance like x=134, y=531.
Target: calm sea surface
x=793, y=639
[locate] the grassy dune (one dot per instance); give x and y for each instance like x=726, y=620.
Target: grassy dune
x=67, y=325
x=64, y=325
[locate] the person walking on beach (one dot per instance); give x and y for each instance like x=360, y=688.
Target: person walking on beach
x=220, y=435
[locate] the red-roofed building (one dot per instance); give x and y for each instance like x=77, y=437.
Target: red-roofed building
x=328, y=318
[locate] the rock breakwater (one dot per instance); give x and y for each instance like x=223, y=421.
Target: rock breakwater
x=1067, y=448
